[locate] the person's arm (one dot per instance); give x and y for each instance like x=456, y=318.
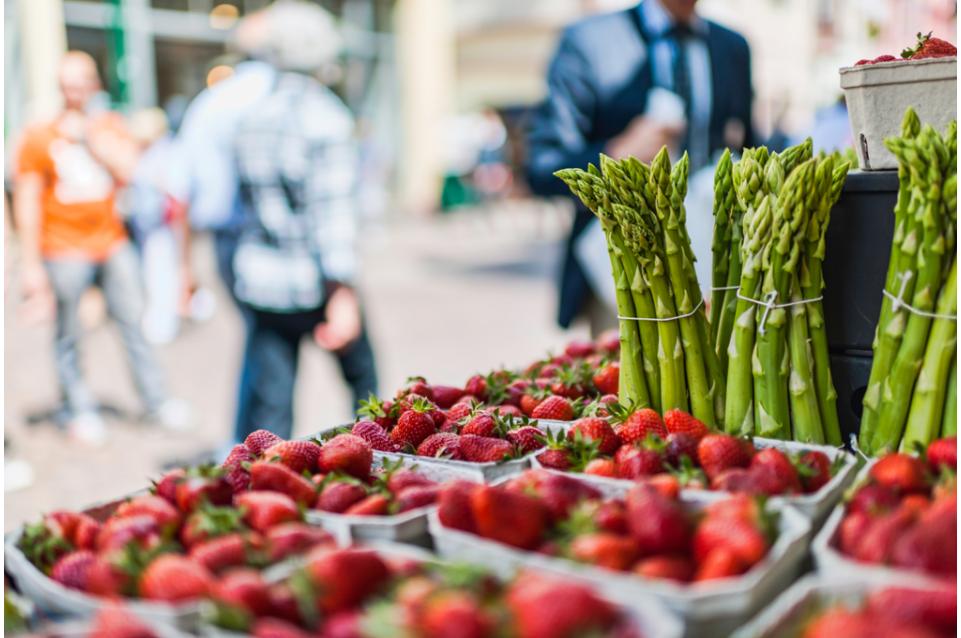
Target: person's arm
x=111, y=145
x=27, y=198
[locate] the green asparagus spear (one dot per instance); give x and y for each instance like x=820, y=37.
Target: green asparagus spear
x=805, y=413
x=724, y=202
x=949, y=417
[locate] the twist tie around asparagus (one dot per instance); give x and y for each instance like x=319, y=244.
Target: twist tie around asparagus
x=769, y=305
x=659, y=319
x=713, y=288
x=898, y=301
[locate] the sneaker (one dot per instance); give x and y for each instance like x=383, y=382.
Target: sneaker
x=173, y=414
x=88, y=428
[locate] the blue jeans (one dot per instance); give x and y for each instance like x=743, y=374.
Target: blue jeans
x=119, y=278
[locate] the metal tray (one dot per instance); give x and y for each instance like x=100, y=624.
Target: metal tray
x=707, y=609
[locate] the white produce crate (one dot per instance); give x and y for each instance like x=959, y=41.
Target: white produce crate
x=710, y=609
x=877, y=96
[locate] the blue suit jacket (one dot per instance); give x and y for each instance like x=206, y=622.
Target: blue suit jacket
x=598, y=82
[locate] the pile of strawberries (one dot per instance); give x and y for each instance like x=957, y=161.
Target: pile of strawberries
x=926, y=47
x=359, y=592
x=682, y=451
x=648, y=532
x=894, y=611
x=906, y=514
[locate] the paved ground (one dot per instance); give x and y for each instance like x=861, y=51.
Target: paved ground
x=445, y=298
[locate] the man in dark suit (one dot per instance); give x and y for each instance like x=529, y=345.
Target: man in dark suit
x=600, y=81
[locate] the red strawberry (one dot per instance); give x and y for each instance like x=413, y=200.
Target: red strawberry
x=943, y=453
x=601, y=467
x=719, y=452
x=606, y=379
x=276, y=628
x=609, y=341
x=545, y=608
x=203, y=484
x=883, y=58
x=476, y=386
x=265, y=475
x=300, y=456
x=106, y=579
x=86, y=532
x=528, y=403
x=678, y=446
x=612, y=551
x=291, y=538
x=507, y=410
x=418, y=386
x=840, y=621
x=166, y=515
x=786, y=479
x=209, y=521
x=508, y=517
x=553, y=408
x=639, y=425
x=480, y=425
x=579, y=349
x=560, y=493
x=460, y=410
x=879, y=539
x=818, y=471
x=454, y=506
x=929, y=47
x=632, y=462
x=416, y=496
x=676, y=567
x=373, y=505
x=930, y=545
x=739, y=536
x=445, y=396
x=680, y=422
x=412, y=428
x=720, y=562
x=852, y=529
x=284, y=604
x=741, y=481
x=345, y=577
x=336, y=497
x=902, y=472
x=113, y=621
x=667, y=484
x=259, y=440
x=592, y=429
x=873, y=499
x=526, y=438
x=610, y=516
x=348, y=454
x=221, y=552
x=118, y=532
x=454, y=613
x=932, y=608
x=484, y=449
x=375, y=436
x=72, y=570
x=166, y=487
x=441, y=445
x=403, y=478
x=246, y=589
x=656, y=523
x=238, y=454
x=555, y=458
x=173, y=578
x=234, y=466
x=263, y=510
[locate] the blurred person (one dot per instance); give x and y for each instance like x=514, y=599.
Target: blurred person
x=628, y=83
x=72, y=238
x=286, y=209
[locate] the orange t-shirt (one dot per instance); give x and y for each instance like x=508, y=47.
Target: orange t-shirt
x=79, y=218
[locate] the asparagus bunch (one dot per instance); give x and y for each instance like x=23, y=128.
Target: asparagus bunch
x=911, y=396
x=668, y=358
x=772, y=326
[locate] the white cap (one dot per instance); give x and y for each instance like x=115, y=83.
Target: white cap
x=301, y=36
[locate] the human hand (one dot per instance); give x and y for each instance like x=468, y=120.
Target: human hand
x=643, y=138
x=36, y=293
x=343, y=321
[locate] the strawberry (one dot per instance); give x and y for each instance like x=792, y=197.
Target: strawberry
x=454, y=506
x=936, y=609
x=461, y=410
x=592, y=429
x=292, y=538
x=743, y=539
x=238, y=454
x=529, y=403
x=840, y=621
x=606, y=379
x=609, y=341
x=930, y=545
x=928, y=47
x=72, y=570
x=221, y=552
x=852, y=529
x=106, y=579
x=245, y=589
x=561, y=493
x=344, y=624
x=118, y=532
x=164, y=514
x=786, y=479
x=173, y=578
x=209, y=521
x=815, y=471
x=418, y=386
x=480, y=425
x=345, y=577
x=276, y=628
x=285, y=604
x=403, y=478
x=506, y=411
x=633, y=461
x=348, y=454
x=612, y=551
x=508, y=517
x=738, y=480
x=719, y=452
x=721, y=562
x=656, y=523
x=676, y=567
x=680, y=422
x=610, y=516
x=543, y=607
x=113, y=621
x=259, y=440
x=879, y=539
x=337, y=496
x=680, y=445
x=526, y=438
x=373, y=505
x=902, y=472
x=666, y=484
x=166, y=487
x=454, y=613
x=553, y=408
x=416, y=496
x=555, y=458
x=873, y=499
x=476, y=386
x=484, y=449
x=441, y=445
x=275, y=477
x=234, y=467
x=639, y=425
x=601, y=467
x=943, y=453
x=383, y=413
x=300, y=456
x=375, y=436
x=579, y=349
x=445, y=396
x=205, y=483
x=412, y=428
x=262, y=510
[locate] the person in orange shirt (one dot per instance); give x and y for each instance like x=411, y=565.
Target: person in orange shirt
x=71, y=237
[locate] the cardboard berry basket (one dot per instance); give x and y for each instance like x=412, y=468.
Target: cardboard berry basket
x=53, y=598
x=708, y=610
x=813, y=592
x=816, y=506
